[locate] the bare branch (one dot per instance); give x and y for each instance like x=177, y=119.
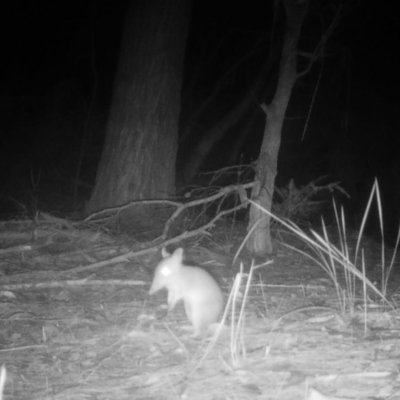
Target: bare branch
x=319, y=49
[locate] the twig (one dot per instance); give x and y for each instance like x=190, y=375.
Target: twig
x=73, y=282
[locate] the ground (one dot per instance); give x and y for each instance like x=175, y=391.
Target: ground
x=75, y=327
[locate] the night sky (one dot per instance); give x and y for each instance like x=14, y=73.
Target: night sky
x=59, y=60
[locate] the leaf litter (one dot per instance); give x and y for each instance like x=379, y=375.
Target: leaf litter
x=71, y=332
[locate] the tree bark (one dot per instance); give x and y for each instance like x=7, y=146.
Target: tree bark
x=139, y=155
x=259, y=242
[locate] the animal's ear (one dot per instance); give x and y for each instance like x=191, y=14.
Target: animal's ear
x=164, y=252
x=178, y=254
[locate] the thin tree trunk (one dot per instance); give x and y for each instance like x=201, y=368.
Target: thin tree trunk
x=259, y=242
x=139, y=155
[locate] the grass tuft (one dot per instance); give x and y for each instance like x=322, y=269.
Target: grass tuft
x=336, y=260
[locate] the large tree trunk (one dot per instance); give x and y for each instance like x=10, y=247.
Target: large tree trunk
x=139, y=155
x=259, y=242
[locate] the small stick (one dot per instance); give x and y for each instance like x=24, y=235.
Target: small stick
x=3, y=377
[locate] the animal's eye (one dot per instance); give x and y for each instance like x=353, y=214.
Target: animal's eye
x=165, y=271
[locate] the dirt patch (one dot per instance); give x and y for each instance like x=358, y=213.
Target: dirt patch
x=73, y=333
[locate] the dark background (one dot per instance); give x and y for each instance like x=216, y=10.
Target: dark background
x=58, y=64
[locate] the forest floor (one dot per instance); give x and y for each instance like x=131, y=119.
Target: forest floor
x=74, y=328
